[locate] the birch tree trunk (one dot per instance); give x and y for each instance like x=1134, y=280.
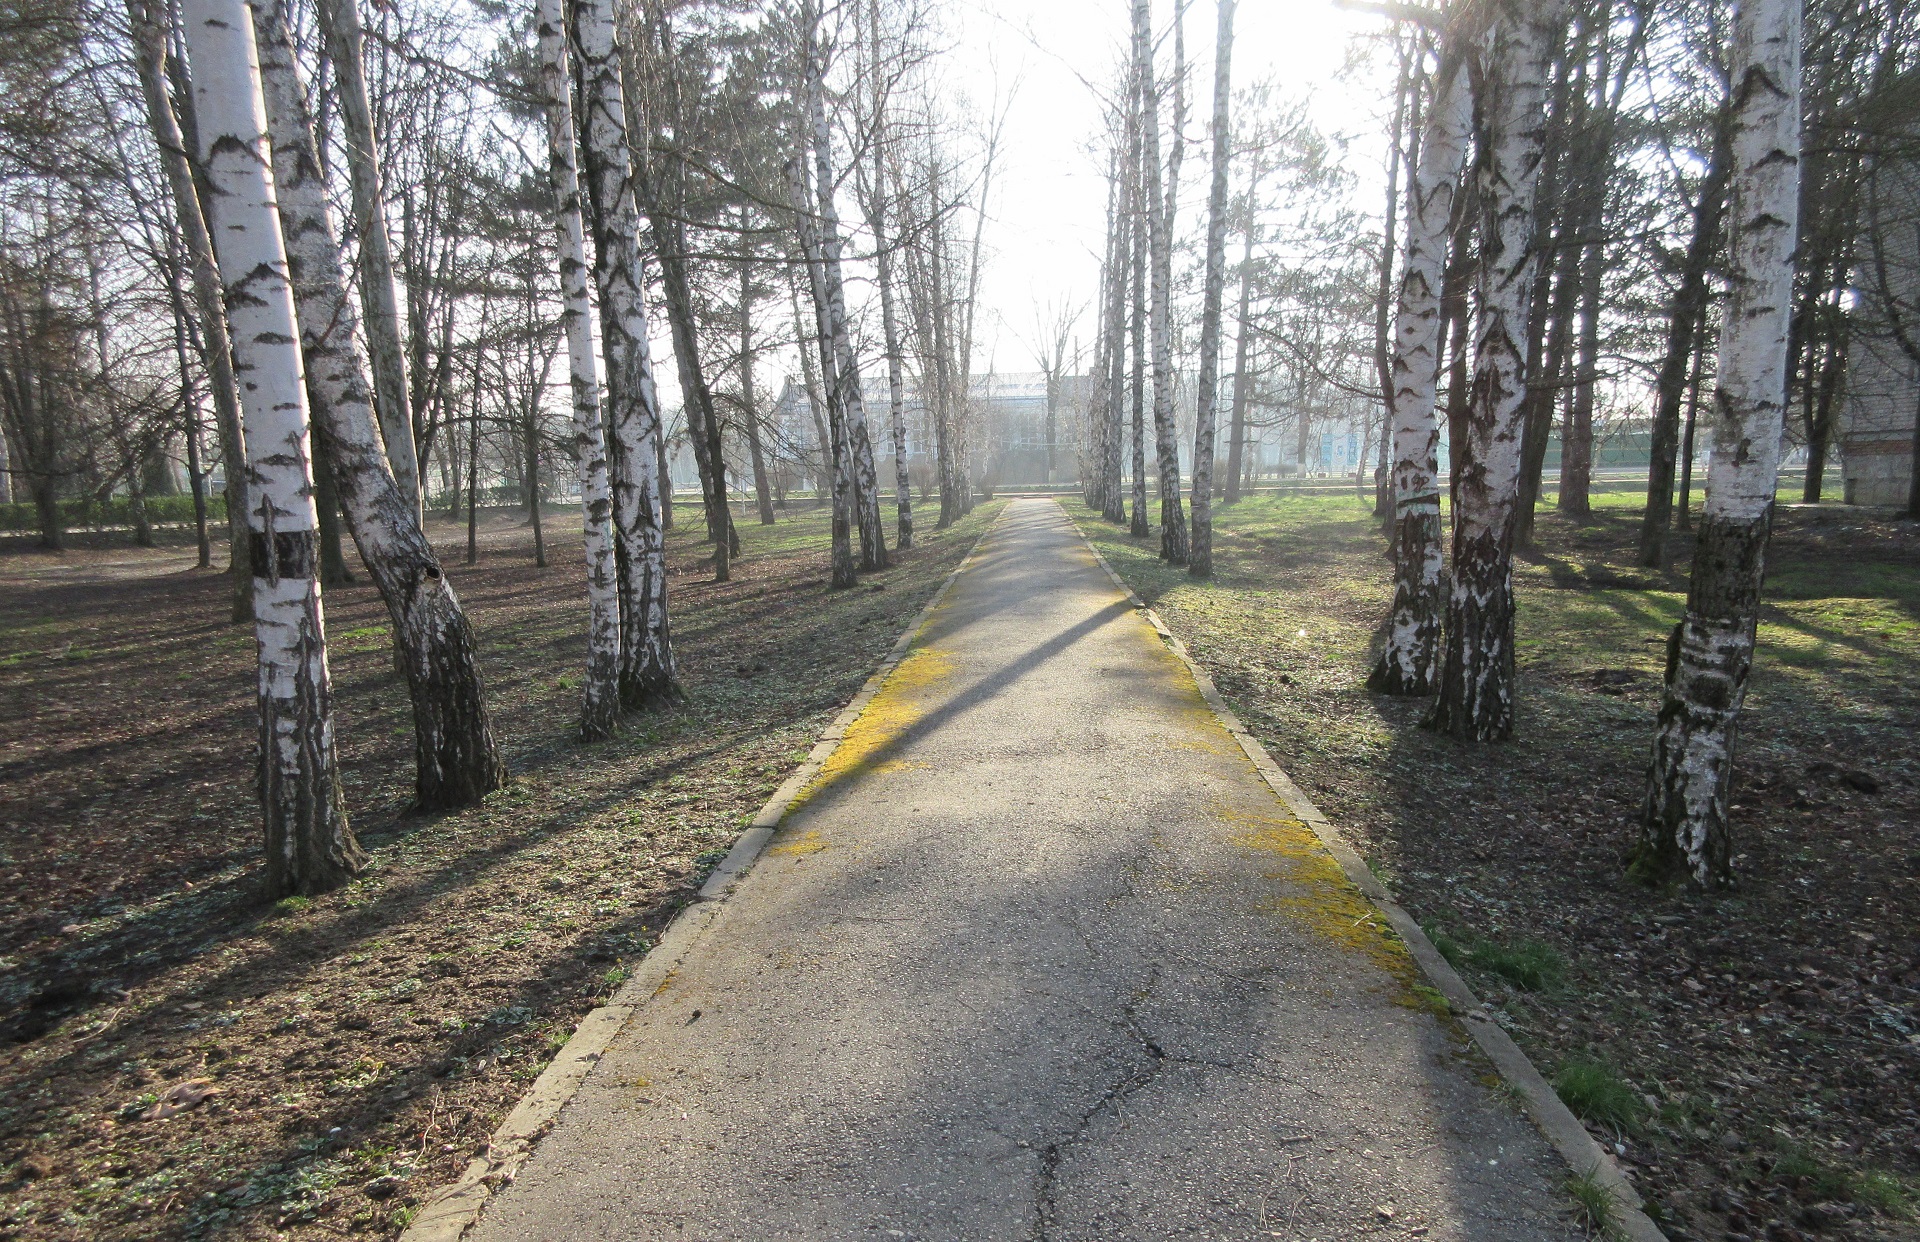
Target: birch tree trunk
x=1683, y=326
x=1140, y=527
x=866, y=481
x=890, y=336
x=842, y=572
x=1242, y=382
x=1120, y=261
x=1159, y=211
x=150, y=57
x=340, y=24
x=456, y=759
x=1684, y=829
x=634, y=439
x=1405, y=98
x=310, y=846
x=600, y=698
x=749, y=400
x=1409, y=660
x=703, y=420
x=1200, y=562
x=1476, y=691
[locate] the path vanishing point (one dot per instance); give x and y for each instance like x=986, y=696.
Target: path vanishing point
x=1038, y=955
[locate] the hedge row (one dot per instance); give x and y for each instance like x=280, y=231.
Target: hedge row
x=115, y=511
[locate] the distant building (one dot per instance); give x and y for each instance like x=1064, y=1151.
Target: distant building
x=1882, y=395
x=1009, y=428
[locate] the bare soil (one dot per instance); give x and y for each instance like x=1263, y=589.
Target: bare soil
x=1754, y=1057
x=180, y=1060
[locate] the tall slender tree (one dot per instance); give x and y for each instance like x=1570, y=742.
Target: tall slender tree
x=310, y=846
x=600, y=695
x=457, y=761
x=1206, y=422
x=340, y=23
x=1159, y=195
x=149, y=27
x=1685, y=835
x=1476, y=690
x=635, y=432
x=1409, y=659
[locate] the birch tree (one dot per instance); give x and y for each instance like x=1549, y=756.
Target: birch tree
x=842, y=571
x=457, y=761
x=1476, y=690
x=600, y=693
x=310, y=846
x=876, y=194
x=831, y=282
x=1159, y=213
x=647, y=675
x=1409, y=661
x=340, y=24
x=149, y=30
x=1200, y=562
x=1684, y=831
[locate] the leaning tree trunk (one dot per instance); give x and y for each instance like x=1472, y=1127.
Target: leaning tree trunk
x=150, y=40
x=703, y=419
x=1684, y=324
x=853, y=408
x=600, y=699
x=457, y=761
x=1684, y=830
x=1159, y=211
x=1409, y=662
x=310, y=846
x=340, y=24
x=1200, y=551
x=1476, y=690
x=635, y=442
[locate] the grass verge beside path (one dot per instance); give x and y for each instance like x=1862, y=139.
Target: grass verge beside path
x=355, y=1049
x=1753, y=1056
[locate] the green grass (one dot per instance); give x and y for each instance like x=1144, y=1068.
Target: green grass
x=1531, y=965
x=1595, y=1092
x=1595, y=1207
x=1528, y=964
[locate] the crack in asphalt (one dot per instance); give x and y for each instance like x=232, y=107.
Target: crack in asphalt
x=1111, y=1099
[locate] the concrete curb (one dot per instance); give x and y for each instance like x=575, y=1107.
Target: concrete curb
x=1549, y=1112
x=450, y=1211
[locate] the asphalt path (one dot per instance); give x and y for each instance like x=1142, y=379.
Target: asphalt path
x=1039, y=956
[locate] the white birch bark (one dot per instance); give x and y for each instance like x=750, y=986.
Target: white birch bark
x=1476, y=690
x=310, y=846
x=600, y=698
x=150, y=55
x=1409, y=661
x=1173, y=520
x=842, y=572
x=889, y=313
x=340, y=23
x=866, y=482
x=457, y=761
x=1206, y=422
x=1685, y=834
x=647, y=673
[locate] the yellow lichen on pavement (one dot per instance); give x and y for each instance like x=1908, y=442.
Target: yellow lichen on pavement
x=867, y=746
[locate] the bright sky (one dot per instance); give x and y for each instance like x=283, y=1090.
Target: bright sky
x=1050, y=200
